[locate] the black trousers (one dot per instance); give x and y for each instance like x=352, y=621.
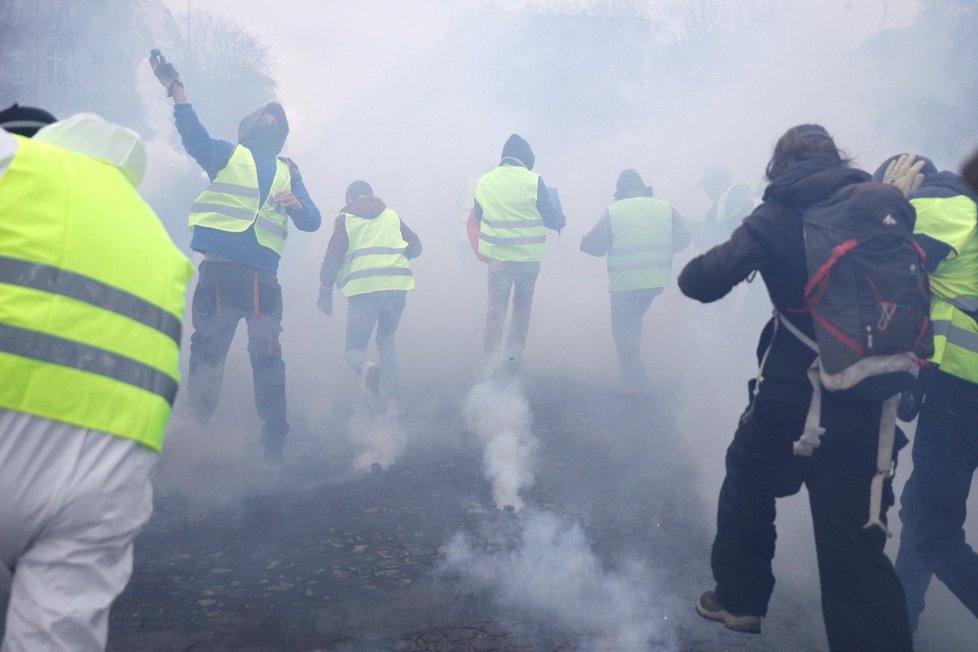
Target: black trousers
x=226, y=293
x=862, y=599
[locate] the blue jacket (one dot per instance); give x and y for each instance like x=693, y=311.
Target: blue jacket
x=212, y=155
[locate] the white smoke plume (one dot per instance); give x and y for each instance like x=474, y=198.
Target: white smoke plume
x=378, y=440
x=552, y=569
x=499, y=415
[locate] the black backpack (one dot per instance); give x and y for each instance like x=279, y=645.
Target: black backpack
x=867, y=291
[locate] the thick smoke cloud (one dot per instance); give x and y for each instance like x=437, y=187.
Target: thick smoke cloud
x=548, y=567
x=498, y=413
x=418, y=100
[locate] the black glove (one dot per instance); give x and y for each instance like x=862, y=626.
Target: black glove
x=164, y=71
x=325, y=302
x=910, y=400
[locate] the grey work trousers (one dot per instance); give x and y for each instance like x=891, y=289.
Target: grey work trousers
x=628, y=307
x=505, y=278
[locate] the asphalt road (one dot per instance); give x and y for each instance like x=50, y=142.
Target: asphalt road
x=315, y=556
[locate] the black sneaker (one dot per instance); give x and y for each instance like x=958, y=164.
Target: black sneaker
x=710, y=608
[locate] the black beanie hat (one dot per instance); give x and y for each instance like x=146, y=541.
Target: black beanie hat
x=516, y=147
x=358, y=189
x=629, y=182
x=24, y=120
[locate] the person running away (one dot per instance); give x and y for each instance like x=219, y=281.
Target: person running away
x=639, y=234
x=367, y=258
x=862, y=600
x=514, y=208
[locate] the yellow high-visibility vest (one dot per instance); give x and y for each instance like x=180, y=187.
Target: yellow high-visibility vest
x=375, y=258
x=230, y=203
x=954, y=284
x=641, y=249
x=92, y=294
x=511, y=228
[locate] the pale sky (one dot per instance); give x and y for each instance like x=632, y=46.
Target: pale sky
x=327, y=51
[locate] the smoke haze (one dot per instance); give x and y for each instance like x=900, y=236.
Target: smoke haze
x=417, y=99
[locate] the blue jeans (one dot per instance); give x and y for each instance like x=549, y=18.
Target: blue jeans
x=933, y=504
x=381, y=309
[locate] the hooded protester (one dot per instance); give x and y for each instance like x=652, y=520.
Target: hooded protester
x=92, y=295
x=862, y=600
x=240, y=223
x=639, y=234
x=367, y=257
x=513, y=208
x=945, y=445
x=732, y=202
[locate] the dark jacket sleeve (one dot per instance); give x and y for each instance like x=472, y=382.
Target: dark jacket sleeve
x=210, y=153
x=413, y=241
x=681, y=233
x=712, y=275
x=339, y=242
x=552, y=218
x=306, y=218
x=970, y=172
x=598, y=240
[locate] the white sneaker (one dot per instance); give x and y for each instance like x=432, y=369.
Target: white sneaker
x=370, y=382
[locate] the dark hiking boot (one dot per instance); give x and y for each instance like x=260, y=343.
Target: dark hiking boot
x=710, y=608
x=274, y=456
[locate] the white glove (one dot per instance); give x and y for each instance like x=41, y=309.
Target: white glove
x=904, y=173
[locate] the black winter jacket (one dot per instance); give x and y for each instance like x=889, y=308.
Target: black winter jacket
x=770, y=241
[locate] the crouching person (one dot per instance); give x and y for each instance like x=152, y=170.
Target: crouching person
x=91, y=301
x=945, y=446
x=367, y=258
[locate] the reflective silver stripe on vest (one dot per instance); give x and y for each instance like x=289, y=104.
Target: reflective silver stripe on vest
x=967, y=304
x=380, y=271
x=55, y=280
x=536, y=239
x=375, y=251
x=639, y=249
x=642, y=264
x=513, y=224
x=268, y=225
x=234, y=189
x=226, y=211
x=91, y=359
x=956, y=335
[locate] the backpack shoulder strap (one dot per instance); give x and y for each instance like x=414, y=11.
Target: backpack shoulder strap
x=794, y=330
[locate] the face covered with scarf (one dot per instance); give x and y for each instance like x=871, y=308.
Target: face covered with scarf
x=265, y=130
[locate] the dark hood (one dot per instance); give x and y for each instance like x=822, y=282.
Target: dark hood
x=928, y=169
x=517, y=148
x=936, y=183
x=250, y=121
x=944, y=184
x=367, y=207
x=808, y=182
